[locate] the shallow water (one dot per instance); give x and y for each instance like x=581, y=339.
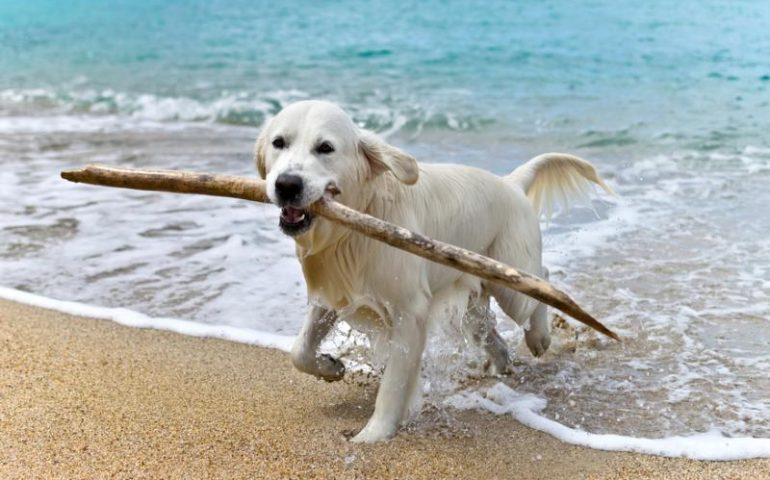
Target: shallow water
x=669, y=103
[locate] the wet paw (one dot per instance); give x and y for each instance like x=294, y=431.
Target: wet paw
x=498, y=364
x=496, y=370
x=374, y=432
x=537, y=341
x=330, y=368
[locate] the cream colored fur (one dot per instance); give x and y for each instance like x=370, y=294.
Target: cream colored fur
x=379, y=289
x=556, y=180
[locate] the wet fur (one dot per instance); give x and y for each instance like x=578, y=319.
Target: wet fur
x=380, y=289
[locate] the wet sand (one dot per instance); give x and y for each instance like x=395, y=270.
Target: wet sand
x=84, y=398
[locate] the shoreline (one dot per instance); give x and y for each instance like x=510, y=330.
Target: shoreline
x=84, y=398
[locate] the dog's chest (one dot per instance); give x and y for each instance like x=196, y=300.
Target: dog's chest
x=333, y=278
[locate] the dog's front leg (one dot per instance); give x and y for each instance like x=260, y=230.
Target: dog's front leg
x=304, y=352
x=399, y=381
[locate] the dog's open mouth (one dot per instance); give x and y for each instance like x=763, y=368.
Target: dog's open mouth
x=294, y=220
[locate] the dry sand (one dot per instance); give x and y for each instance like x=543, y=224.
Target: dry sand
x=84, y=398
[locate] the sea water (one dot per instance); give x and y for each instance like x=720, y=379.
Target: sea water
x=671, y=102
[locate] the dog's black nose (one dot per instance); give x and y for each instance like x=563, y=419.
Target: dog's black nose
x=288, y=187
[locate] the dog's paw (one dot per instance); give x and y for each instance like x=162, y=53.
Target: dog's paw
x=537, y=341
x=497, y=363
x=375, y=432
x=497, y=368
x=330, y=368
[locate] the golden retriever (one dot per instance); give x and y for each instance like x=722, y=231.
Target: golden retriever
x=313, y=148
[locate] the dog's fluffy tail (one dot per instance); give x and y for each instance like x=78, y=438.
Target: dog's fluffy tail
x=555, y=180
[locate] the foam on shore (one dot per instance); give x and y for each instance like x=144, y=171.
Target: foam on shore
x=130, y=318
x=525, y=408
x=499, y=399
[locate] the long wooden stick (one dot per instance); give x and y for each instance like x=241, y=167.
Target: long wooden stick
x=399, y=237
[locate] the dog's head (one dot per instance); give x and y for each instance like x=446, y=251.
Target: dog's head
x=313, y=148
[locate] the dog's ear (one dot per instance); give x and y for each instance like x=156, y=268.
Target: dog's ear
x=382, y=156
x=259, y=151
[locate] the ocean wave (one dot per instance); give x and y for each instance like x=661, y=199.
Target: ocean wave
x=388, y=114
x=230, y=108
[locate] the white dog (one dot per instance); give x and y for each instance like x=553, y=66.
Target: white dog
x=311, y=149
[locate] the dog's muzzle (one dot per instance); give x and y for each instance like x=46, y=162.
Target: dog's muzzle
x=289, y=189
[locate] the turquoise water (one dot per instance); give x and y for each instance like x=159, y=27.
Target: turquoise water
x=586, y=73
x=669, y=99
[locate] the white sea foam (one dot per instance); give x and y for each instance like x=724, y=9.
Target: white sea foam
x=525, y=408
x=498, y=399
x=130, y=318
x=235, y=107
x=562, y=246
x=80, y=124
x=382, y=113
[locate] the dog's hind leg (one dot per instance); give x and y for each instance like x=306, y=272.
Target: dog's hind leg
x=515, y=305
x=538, y=336
x=304, y=352
x=480, y=324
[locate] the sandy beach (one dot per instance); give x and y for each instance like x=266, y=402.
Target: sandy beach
x=84, y=398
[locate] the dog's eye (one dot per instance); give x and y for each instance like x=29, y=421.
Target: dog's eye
x=279, y=143
x=324, y=148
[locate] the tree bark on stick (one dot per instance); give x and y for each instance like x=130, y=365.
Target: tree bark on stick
x=398, y=237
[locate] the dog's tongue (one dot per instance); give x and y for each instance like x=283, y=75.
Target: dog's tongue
x=292, y=215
